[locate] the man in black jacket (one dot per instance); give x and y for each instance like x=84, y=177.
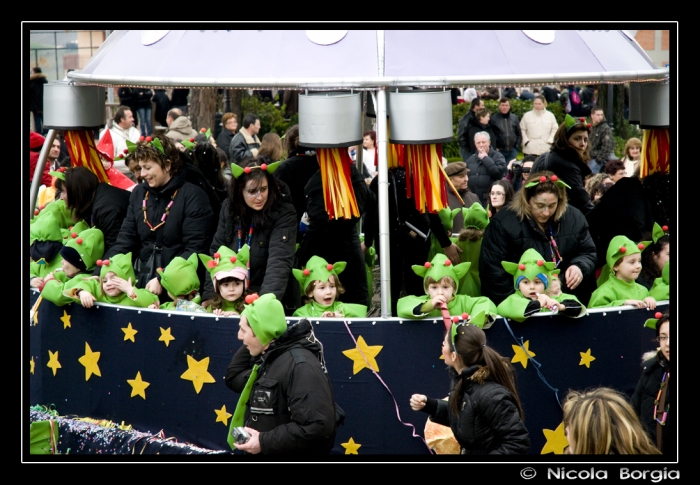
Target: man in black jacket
x=286, y=398
x=507, y=130
x=36, y=97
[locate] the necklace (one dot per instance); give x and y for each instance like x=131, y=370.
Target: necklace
x=240, y=243
x=165, y=214
x=553, y=247
x=661, y=421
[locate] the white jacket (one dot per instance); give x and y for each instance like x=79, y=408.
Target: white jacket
x=119, y=137
x=538, y=128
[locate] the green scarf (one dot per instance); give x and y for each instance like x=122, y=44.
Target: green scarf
x=239, y=413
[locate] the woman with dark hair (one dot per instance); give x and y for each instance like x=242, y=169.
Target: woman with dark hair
x=483, y=409
x=258, y=212
x=270, y=148
x=568, y=158
x=100, y=205
x=500, y=194
x=654, y=258
x=540, y=218
x=167, y=216
x=615, y=169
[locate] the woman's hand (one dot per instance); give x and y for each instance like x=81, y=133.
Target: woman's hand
x=418, y=401
x=573, y=276
x=154, y=286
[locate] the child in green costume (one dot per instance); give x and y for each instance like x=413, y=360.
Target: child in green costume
x=229, y=274
x=660, y=290
x=114, y=285
x=476, y=218
x=180, y=280
x=45, y=243
x=533, y=278
x=321, y=285
x=441, y=284
x=618, y=286
x=79, y=258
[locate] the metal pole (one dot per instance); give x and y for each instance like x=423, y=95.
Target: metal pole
x=39, y=170
x=383, y=196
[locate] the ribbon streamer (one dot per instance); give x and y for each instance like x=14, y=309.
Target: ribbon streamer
x=336, y=178
x=83, y=153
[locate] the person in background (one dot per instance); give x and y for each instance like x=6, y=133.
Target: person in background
x=480, y=123
x=369, y=152
x=601, y=421
x=602, y=143
x=179, y=126
x=595, y=186
x=458, y=173
x=465, y=124
x=490, y=93
x=36, y=143
x=507, y=130
x=538, y=127
x=128, y=97
x=229, y=127
x=122, y=128
x=485, y=166
x=162, y=103
x=519, y=171
x=178, y=99
x=144, y=107
x=500, y=194
x=654, y=257
x=632, y=156
x=245, y=144
x=615, y=169
x=37, y=79
x=270, y=148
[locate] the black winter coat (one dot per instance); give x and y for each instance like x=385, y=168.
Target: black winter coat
x=109, y=209
x=488, y=421
x=162, y=107
x=143, y=98
x=507, y=131
x=645, y=395
x=483, y=172
x=506, y=238
x=568, y=166
x=36, y=91
x=184, y=231
x=271, y=251
x=223, y=141
x=475, y=127
x=294, y=407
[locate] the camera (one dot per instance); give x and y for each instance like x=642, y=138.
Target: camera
x=240, y=435
x=516, y=166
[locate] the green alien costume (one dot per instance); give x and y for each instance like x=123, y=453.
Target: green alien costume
x=179, y=279
x=614, y=291
x=318, y=269
x=660, y=290
x=439, y=267
x=226, y=263
x=532, y=265
x=45, y=242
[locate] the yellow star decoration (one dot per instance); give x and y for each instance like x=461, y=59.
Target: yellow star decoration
x=197, y=372
x=351, y=447
x=31, y=365
x=53, y=364
x=138, y=386
x=129, y=333
x=586, y=358
x=222, y=416
x=66, y=320
x=363, y=356
x=89, y=360
x=556, y=441
x=165, y=336
x=521, y=355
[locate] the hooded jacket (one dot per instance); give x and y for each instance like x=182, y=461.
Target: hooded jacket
x=291, y=403
x=488, y=421
x=181, y=129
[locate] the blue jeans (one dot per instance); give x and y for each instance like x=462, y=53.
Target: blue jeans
x=145, y=121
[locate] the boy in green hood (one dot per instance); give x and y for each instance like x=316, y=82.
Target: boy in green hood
x=180, y=280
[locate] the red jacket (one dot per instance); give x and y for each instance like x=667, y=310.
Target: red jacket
x=45, y=178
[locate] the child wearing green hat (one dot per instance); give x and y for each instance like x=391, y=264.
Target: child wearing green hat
x=441, y=284
x=180, y=280
x=114, y=285
x=534, y=278
x=475, y=218
x=660, y=289
x=321, y=286
x=617, y=286
x=79, y=258
x=45, y=243
x=229, y=274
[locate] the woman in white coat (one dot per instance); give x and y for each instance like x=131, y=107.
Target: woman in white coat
x=538, y=127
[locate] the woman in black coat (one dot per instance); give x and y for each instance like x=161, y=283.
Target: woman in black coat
x=539, y=218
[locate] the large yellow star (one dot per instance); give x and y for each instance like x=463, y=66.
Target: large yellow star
x=222, y=416
x=522, y=355
x=165, y=336
x=89, y=360
x=197, y=372
x=556, y=441
x=586, y=358
x=138, y=386
x=363, y=356
x=31, y=365
x=129, y=333
x=351, y=447
x=53, y=364
x=65, y=319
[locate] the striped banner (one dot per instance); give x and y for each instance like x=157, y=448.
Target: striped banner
x=426, y=177
x=83, y=153
x=656, y=152
x=336, y=177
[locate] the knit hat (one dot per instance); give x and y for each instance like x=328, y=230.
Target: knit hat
x=456, y=168
x=440, y=267
x=226, y=263
x=621, y=246
x=84, y=249
x=265, y=316
x=475, y=217
x=318, y=269
x=531, y=265
x=35, y=140
x=120, y=265
x=180, y=275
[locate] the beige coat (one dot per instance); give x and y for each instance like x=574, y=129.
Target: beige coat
x=538, y=128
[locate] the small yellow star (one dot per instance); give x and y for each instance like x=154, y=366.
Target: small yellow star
x=31, y=365
x=556, y=441
x=586, y=358
x=138, y=386
x=222, y=416
x=363, y=356
x=351, y=447
x=197, y=372
x=65, y=319
x=165, y=336
x=522, y=355
x=129, y=333
x=53, y=364
x=89, y=360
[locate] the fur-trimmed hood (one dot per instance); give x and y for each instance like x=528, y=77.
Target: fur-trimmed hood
x=37, y=75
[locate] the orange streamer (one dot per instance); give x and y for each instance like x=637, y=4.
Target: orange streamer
x=336, y=177
x=83, y=153
x=426, y=177
x=656, y=152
